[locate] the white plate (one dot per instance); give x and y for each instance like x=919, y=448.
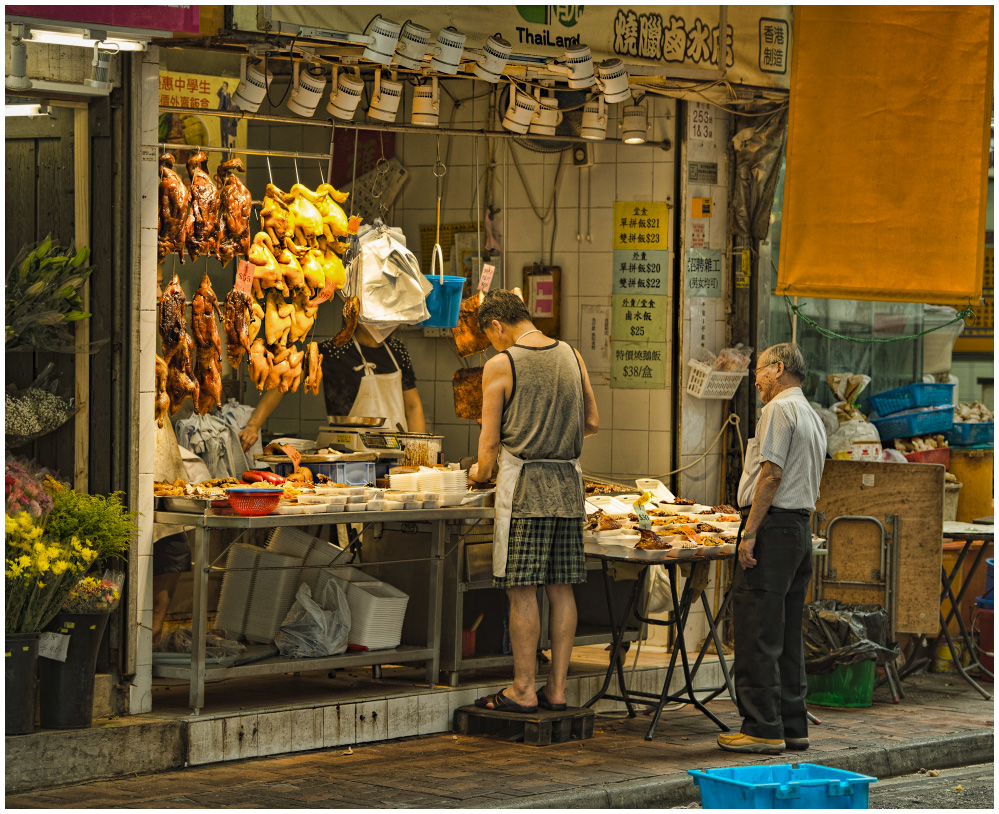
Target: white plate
x=682, y=553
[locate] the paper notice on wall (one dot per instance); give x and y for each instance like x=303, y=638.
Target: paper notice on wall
x=594, y=337
x=541, y=295
x=699, y=234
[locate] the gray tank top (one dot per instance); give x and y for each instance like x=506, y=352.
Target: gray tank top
x=543, y=418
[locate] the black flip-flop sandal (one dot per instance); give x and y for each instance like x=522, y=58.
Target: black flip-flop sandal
x=544, y=703
x=501, y=703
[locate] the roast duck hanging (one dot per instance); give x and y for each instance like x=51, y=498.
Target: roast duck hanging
x=297, y=263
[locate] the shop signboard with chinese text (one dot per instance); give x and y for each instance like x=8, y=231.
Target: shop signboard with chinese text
x=688, y=38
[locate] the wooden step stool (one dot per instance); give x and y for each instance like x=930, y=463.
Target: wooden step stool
x=535, y=729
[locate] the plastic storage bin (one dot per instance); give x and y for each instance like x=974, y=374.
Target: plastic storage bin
x=920, y=394
x=706, y=383
x=443, y=301
x=353, y=473
x=921, y=422
x=799, y=785
x=963, y=434
x=929, y=456
x=849, y=685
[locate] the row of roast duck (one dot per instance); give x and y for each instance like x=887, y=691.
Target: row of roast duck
x=296, y=254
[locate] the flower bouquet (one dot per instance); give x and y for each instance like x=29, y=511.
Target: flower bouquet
x=39, y=572
x=94, y=594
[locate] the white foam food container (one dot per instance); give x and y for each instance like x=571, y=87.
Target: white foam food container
x=358, y=506
x=394, y=505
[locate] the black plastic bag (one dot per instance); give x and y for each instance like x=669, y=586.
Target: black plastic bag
x=836, y=634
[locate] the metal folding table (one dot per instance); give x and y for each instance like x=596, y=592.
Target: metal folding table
x=681, y=608
x=969, y=534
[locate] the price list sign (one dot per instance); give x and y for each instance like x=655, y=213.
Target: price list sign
x=638, y=365
x=641, y=271
x=639, y=304
x=703, y=273
x=639, y=319
x=641, y=225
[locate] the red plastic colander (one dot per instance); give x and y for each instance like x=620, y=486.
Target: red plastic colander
x=254, y=502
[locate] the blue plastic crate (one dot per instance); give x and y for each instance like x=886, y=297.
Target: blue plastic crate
x=352, y=473
x=920, y=394
x=964, y=434
x=919, y=422
x=798, y=785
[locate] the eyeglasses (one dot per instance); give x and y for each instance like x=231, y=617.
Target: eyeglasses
x=759, y=370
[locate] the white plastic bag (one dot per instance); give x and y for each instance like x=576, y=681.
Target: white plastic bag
x=856, y=440
x=312, y=630
x=386, y=278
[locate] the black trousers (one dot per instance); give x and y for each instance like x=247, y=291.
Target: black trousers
x=769, y=600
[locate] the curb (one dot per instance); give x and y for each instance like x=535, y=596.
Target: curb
x=906, y=757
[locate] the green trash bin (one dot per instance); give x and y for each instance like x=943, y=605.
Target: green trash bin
x=849, y=685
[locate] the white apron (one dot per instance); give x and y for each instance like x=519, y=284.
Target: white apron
x=506, y=484
x=380, y=394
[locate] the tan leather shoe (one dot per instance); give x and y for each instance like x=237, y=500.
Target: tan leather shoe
x=738, y=742
x=796, y=744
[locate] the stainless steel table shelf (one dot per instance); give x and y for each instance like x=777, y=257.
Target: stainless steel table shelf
x=435, y=519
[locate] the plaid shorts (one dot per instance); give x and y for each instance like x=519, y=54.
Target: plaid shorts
x=544, y=551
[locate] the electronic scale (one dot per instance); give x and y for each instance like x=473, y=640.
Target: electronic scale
x=360, y=434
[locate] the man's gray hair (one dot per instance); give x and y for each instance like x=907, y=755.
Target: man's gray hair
x=504, y=306
x=790, y=354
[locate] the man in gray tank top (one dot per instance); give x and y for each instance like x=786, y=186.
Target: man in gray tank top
x=537, y=406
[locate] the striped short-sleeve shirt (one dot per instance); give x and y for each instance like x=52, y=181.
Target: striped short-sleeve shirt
x=790, y=434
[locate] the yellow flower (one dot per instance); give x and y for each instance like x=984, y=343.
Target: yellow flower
x=60, y=567
x=24, y=561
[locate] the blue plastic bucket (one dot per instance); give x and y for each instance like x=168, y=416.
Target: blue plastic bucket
x=443, y=301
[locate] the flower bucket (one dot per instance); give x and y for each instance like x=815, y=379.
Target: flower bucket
x=67, y=687
x=20, y=672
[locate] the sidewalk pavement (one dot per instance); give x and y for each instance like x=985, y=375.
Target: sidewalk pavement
x=942, y=722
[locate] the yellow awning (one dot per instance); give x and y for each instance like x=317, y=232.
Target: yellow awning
x=887, y=153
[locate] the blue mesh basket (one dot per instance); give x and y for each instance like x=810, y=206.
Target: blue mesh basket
x=920, y=394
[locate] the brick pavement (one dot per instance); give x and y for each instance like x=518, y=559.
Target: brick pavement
x=450, y=771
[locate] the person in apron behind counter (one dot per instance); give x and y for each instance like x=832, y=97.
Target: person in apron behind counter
x=537, y=406
x=363, y=377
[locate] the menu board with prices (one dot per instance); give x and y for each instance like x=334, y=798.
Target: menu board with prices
x=641, y=225
x=639, y=319
x=641, y=271
x=638, y=365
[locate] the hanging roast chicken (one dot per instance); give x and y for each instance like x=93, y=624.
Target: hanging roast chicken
x=176, y=216
x=208, y=371
x=206, y=204
x=234, y=213
x=173, y=318
x=467, y=336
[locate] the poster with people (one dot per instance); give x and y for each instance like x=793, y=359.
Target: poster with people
x=200, y=92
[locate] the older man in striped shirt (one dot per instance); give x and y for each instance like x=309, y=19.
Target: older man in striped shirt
x=777, y=494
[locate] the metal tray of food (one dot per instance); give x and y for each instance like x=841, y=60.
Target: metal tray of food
x=317, y=459
x=354, y=421
x=183, y=503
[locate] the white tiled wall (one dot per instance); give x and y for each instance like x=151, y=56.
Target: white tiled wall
x=634, y=438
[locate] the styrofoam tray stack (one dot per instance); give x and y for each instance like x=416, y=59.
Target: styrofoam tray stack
x=377, y=609
x=237, y=587
x=310, y=550
x=273, y=595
